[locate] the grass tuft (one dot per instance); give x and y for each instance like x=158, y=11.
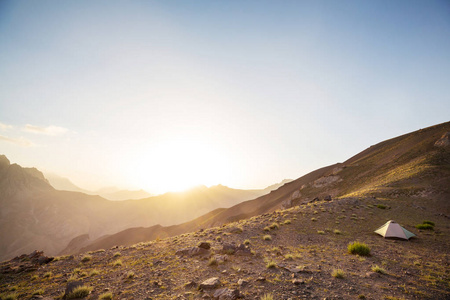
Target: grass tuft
x=271, y=264
x=79, y=292
x=38, y=292
x=358, y=248
x=338, y=273
x=267, y=237
x=105, y=296
x=267, y=297
x=378, y=269
x=425, y=226
x=86, y=258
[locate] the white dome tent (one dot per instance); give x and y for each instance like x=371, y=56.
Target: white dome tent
x=393, y=230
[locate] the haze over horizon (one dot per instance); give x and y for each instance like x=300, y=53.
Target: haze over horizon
x=164, y=96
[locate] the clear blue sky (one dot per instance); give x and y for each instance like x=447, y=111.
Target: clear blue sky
x=162, y=95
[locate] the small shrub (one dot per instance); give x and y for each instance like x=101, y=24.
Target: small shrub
x=38, y=292
x=117, y=254
x=117, y=263
x=336, y=231
x=289, y=257
x=130, y=275
x=275, y=249
x=86, y=258
x=267, y=237
x=361, y=296
x=93, y=272
x=313, y=219
x=287, y=222
x=381, y=206
x=425, y=226
x=79, y=292
x=320, y=232
x=338, y=273
x=106, y=296
x=271, y=264
x=429, y=222
x=266, y=228
x=358, y=248
x=247, y=242
x=378, y=269
x=13, y=288
x=48, y=275
x=267, y=297
x=274, y=226
x=12, y=296
x=212, y=262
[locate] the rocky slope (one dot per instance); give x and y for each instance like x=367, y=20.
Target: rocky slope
x=296, y=253
x=415, y=166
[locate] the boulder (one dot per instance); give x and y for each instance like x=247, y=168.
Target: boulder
x=227, y=294
x=210, y=283
x=204, y=245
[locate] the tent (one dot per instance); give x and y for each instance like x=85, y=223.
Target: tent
x=393, y=230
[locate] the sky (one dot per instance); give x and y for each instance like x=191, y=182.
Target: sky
x=165, y=95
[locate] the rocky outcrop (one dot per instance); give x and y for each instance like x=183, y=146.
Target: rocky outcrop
x=444, y=141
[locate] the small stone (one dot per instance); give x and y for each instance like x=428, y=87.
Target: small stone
x=242, y=282
x=204, y=245
x=298, y=281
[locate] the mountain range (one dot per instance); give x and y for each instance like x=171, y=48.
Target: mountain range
x=110, y=193
x=35, y=215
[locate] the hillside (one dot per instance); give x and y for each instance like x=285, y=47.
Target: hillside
x=34, y=215
x=414, y=168
x=296, y=253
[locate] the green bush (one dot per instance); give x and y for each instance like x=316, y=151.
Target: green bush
x=38, y=292
x=381, y=206
x=358, y=248
x=425, y=226
x=429, y=222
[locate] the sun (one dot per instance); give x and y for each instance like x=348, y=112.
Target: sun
x=180, y=164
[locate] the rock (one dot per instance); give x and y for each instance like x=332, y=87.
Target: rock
x=220, y=258
x=260, y=278
x=71, y=286
x=297, y=281
x=191, y=285
x=44, y=260
x=204, y=245
x=228, y=248
x=226, y=294
x=243, y=250
x=192, y=251
x=372, y=275
x=210, y=283
x=242, y=282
